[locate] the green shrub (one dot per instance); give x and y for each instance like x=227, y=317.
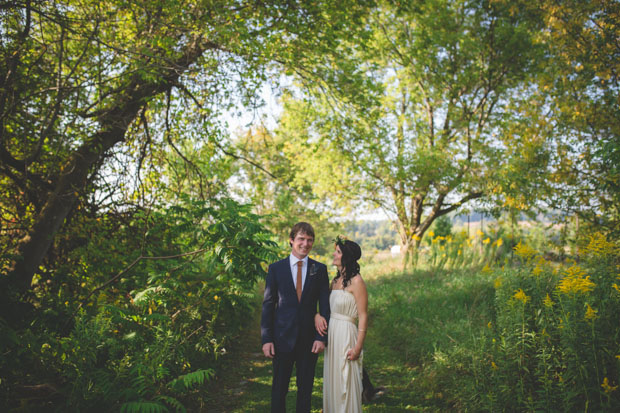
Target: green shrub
x=143, y=328
x=554, y=344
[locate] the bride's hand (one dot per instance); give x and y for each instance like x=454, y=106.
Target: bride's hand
x=320, y=324
x=353, y=355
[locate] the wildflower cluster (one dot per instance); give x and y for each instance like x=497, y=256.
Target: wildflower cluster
x=459, y=250
x=565, y=324
x=524, y=251
x=520, y=296
x=598, y=246
x=575, y=281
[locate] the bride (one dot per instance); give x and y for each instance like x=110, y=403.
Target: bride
x=348, y=300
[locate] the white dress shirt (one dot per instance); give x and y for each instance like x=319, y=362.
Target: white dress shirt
x=304, y=269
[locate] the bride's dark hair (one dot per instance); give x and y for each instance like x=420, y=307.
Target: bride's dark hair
x=351, y=252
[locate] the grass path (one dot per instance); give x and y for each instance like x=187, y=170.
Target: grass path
x=243, y=384
x=413, y=316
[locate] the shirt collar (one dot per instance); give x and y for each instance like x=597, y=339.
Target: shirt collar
x=293, y=260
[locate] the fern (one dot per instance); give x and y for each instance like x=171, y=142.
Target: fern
x=189, y=380
x=139, y=385
x=152, y=293
x=174, y=403
x=143, y=407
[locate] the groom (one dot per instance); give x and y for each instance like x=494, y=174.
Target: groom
x=294, y=286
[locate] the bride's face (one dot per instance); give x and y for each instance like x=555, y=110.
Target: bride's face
x=337, y=257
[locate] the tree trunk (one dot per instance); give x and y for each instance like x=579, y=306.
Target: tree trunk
x=114, y=123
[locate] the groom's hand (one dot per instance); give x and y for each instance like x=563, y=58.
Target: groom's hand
x=320, y=324
x=318, y=346
x=269, y=350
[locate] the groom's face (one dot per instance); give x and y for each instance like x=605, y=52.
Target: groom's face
x=302, y=244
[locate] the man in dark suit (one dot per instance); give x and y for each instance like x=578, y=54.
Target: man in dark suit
x=293, y=288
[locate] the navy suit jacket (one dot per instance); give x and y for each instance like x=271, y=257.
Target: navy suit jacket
x=285, y=320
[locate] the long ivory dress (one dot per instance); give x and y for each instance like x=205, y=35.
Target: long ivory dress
x=342, y=378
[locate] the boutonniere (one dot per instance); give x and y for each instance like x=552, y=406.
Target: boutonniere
x=313, y=270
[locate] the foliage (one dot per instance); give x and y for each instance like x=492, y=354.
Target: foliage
x=138, y=339
x=451, y=339
x=97, y=90
x=582, y=82
x=553, y=343
x=269, y=181
x=372, y=235
x=432, y=130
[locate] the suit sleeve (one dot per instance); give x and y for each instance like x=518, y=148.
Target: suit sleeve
x=269, y=305
x=324, y=309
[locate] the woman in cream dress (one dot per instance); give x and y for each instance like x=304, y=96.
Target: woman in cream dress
x=348, y=300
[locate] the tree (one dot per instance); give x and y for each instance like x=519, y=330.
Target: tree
x=434, y=132
x=81, y=79
x=268, y=177
x=582, y=87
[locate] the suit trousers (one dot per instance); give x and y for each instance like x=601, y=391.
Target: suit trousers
x=305, y=363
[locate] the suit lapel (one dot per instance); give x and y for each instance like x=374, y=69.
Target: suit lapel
x=288, y=275
x=309, y=276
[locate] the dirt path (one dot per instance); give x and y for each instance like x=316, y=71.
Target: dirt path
x=244, y=376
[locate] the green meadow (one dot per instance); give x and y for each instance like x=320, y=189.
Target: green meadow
x=531, y=337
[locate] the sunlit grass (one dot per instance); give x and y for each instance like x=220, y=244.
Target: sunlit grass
x=485, y=339
x=412, y=315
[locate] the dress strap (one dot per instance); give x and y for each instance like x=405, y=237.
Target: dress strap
x=342, y=317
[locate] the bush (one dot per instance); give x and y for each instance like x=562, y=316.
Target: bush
x=554, y=344
x=139, y=337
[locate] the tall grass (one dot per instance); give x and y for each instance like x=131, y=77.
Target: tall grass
x=551, y=342
x=522, y=335
x=497, y=335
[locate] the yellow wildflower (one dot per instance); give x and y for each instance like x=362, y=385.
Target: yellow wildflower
x=520, y=295
x=616, y=287
x=489, y=324
x=499, y=242
x=548, y=302
x=416, y=238
x=486, y=268
x=498, y=282
x=459, y=253
x=599, y=246
x=524, y=251
x=574, y=281
x=480, y=233
x=215, y=298
x=537, y=270
x=590, y=313
x=618, y=356
x=431, y=234
x=607, y=387
x=486, y=241
x=493, y=365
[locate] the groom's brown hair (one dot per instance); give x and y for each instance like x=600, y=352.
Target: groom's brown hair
x=301, y=227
